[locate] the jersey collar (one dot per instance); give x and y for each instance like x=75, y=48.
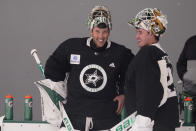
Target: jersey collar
x=158, y=46
x=89, y=40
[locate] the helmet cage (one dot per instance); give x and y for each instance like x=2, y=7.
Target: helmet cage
x=99, y=14
x=151, y=20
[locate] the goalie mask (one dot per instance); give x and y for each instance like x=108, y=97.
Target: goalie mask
x=151, y=20
x=98, y=15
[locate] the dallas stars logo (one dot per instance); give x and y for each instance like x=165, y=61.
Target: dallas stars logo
x=93, y=78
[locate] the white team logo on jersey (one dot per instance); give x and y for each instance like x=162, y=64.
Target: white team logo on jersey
x=93, y=78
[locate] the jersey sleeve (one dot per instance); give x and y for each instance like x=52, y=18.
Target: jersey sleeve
x=130, y=92
x=149, y=91
x=182, y=63
x=126, y=59
x=57, y=64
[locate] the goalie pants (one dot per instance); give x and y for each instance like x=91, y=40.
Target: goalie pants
x=158, y=127
x=93, y=124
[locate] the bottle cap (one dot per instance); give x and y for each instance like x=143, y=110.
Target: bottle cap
x=188, y=99
x=8, y=96
x=28, y=96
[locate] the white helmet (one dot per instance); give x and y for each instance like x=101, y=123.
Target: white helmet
x=99, y=14
x=151, y=20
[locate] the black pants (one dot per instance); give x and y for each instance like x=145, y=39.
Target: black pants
x=79, y=123
x=162, y=128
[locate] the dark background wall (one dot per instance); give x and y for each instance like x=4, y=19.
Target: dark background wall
x=44, y=24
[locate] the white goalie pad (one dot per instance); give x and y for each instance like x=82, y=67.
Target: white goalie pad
x=142, y=123
x=51, y=93
x=126, y=124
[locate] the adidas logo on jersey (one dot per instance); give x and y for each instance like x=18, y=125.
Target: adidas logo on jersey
x=112, y=65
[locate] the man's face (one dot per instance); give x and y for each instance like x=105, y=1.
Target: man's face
x=100, y=36
x=143, y=37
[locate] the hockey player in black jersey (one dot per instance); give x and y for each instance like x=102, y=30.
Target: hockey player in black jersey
x=186, y=66
x=96, y=70
x=149, y=77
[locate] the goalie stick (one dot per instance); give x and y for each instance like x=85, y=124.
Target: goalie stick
x=65, y=117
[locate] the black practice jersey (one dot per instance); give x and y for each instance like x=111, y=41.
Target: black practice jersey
x=96, y=75
x=188, y=53
x=150, y=85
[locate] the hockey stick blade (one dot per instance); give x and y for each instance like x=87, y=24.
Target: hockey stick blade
x=125, y=124
x=66, y=119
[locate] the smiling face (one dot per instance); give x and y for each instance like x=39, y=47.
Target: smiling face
x=144, y=37
x=100, y=36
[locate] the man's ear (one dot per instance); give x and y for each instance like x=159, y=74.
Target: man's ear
x=152, y=35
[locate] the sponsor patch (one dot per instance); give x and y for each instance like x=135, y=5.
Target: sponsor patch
x=75, y=59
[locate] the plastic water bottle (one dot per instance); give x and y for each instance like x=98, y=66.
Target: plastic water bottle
x=188, y=110
x=8, y=107
x=28, y=114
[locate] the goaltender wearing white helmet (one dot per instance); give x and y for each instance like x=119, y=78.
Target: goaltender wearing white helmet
x=149, y=77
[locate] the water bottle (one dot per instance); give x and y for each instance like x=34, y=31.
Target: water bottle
x=8, y=107
x=28, y=114
x=188, y=110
